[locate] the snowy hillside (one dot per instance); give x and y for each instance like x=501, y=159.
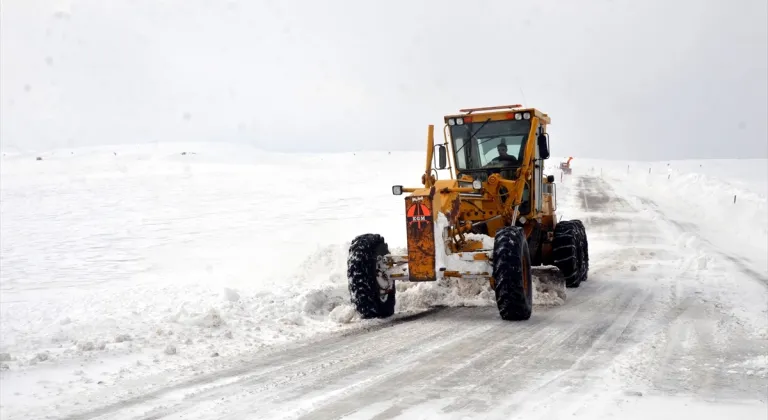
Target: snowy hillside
x=122, y=262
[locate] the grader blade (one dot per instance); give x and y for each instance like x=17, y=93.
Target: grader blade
x=548, y=286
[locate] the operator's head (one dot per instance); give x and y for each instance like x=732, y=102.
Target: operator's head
x=502, y=148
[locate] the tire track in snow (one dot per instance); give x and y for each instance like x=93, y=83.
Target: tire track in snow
x=253, y=370
x=474, y=356
x=314, y=361
x=588, y=359
x=334, y=381
x=700, y=334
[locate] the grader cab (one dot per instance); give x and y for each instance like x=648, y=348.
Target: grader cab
x=493, y=220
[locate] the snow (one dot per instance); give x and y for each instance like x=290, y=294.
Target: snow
x=702, y=192
x=486, y=240
x=440, y=224
x=453, y=262
x=119, y=263
x=117, y=253
x=695, y=200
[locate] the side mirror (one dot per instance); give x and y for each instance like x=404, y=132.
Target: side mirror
x=397, y=190
x=550, y=178
x=543, y=143
x=442, y=157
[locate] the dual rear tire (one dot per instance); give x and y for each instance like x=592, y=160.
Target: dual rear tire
x=571, y=251
x=512, y=266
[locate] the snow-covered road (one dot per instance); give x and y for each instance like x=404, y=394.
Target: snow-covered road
x=665, y=327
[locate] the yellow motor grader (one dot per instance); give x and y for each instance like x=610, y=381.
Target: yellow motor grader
x=494, y=220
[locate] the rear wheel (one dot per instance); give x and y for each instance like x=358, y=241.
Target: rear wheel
x=372, y=293
x=566, y=250
x=512, y=274
x=534, y=244
x=584, y=246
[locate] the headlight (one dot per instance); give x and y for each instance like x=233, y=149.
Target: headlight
x=459, y=121
x=527, y=115
x=476, y=184
x=518, y=116
x=451, y=121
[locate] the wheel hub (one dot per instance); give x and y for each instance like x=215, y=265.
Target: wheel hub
x=385, y=283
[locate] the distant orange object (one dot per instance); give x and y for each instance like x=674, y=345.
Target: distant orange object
x=566, y=166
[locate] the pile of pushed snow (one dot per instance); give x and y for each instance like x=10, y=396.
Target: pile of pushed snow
x=444, y=292
x=325, y=272
x=200, y=320
x=151, y=326
x=465, y=292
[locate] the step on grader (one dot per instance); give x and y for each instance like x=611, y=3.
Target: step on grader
x=494, y=220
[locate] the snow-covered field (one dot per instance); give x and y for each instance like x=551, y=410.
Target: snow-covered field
x=122, y=265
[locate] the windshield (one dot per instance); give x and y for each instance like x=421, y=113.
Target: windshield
x=495, y=143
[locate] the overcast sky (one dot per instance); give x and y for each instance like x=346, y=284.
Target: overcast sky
x=625, y=79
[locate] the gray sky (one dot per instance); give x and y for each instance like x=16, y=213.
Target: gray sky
x=625, y=79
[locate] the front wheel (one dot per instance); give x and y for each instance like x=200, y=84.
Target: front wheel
x=371, y=292
x=512, y=274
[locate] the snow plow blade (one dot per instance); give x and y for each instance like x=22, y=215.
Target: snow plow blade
x=548, y=286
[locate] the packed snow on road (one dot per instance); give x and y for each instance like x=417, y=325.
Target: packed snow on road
x=205, y=281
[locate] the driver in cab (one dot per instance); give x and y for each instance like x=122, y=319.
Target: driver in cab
x=503, y=159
